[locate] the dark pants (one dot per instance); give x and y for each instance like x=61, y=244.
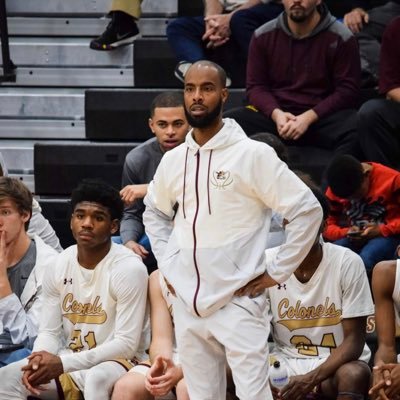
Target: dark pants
x=374, y=251
x=336, y=132
x=379, y=131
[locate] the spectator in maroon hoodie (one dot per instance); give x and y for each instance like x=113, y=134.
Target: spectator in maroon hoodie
x=379, y=119
x=303, y=79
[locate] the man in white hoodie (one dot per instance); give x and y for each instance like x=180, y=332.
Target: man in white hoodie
x=24, y=260
x=207, y=216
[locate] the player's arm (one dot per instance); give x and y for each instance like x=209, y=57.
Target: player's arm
x=164, y=373
x=354, y=331
x=383, y=278
x=161, y=323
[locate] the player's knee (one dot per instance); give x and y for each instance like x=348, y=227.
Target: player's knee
x=126, y=386
x=11, y=378
x=353, y=377
x=98, y=380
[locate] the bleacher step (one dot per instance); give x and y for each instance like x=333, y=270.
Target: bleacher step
x=66, y=52
x=73, y=77
x=83, y=7
x=81, y=27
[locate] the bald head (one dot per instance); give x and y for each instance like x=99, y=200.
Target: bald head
x=204, y=66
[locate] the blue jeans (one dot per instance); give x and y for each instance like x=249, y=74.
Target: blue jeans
x=10, y=357
x=245, y=22
x=144, y=241
x=375, y=250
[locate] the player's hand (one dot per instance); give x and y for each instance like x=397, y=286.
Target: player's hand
x=4, y=255
x=130, y=193
x=393, y=390
x=44, y=367
x=162, y=376
x=380, y=380
x=28, y=370
x=137, y=248
x=355, y=19
x=298, y=387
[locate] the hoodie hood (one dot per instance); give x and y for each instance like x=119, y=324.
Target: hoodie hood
x=229, y=134
x=327, y=19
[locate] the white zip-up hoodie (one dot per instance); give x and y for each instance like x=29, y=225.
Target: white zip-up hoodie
x=221, y=195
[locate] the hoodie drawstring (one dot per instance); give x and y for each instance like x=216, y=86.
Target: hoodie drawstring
x=208, y=183
x=184, y=183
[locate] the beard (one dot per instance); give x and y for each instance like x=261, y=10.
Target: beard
x=205, y=120
x=300, y=15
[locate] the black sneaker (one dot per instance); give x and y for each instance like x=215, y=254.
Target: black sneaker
x=116, y=35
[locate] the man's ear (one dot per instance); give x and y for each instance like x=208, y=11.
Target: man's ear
x=151, y=123
x=114, y=226
x=225, y=95
x=26, y=215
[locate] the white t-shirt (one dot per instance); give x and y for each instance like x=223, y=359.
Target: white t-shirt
x=306, y=317
x=91, y=316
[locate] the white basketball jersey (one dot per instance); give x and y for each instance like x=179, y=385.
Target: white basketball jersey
x=306, y=317
x=88, y=299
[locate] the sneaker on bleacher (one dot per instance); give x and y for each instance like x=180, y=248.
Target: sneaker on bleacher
x=121, y=31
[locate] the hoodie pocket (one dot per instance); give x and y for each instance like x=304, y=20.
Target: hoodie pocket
x=256, y=306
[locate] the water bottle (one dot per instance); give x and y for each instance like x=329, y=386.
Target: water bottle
x=278, y=375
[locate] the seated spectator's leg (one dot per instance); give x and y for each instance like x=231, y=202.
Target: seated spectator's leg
x=100, y=380
x=13, y=356
x=337, y=132
x=350, y=382
x=379, y=131
x=379, y=249
x=251, y=121
x=184, y=36
x=131, y=7
x=245, y=22
x=131, y=387
x=370, y=36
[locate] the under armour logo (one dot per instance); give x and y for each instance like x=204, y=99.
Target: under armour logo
x=67, y=281
x=282, y=286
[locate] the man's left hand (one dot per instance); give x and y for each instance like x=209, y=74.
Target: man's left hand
x=298, y=387
x=41, y=369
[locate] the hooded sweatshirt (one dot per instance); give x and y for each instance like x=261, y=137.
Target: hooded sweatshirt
x=208, y=213
x=320, y=71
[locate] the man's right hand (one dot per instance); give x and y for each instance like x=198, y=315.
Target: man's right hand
x=132, y=192
x=137, y=248
x=281, y=118
x=355, y=19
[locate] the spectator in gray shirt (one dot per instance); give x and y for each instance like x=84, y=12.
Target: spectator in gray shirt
x=169, y=125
